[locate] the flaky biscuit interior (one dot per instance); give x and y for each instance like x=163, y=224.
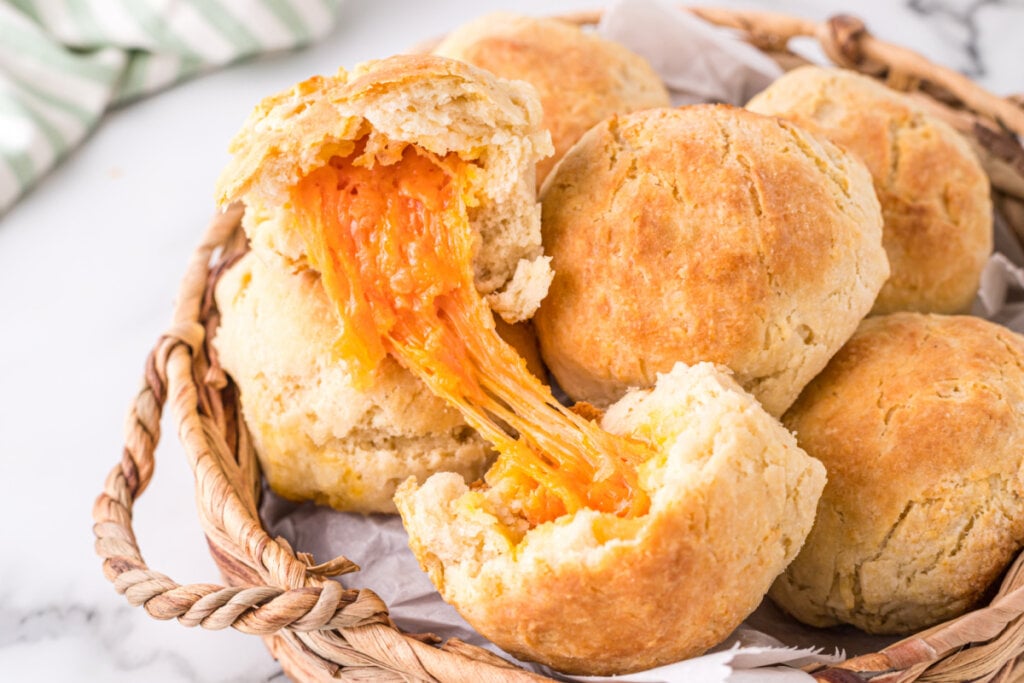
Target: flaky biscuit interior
x=732, y=498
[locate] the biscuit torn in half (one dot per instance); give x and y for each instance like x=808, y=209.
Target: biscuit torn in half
x=700, y=496
x=732, y=499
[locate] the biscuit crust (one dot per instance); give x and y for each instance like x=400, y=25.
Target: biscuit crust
x=934, y=194
x=705, y=233
x=440, y=106
x=732, y=497
x=919, y=421
x=318, y=437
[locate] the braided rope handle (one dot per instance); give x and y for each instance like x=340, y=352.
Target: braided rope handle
x=311, y=603
x=312, y=625
x=994, y=124
x=847, y=42
x=940, y=654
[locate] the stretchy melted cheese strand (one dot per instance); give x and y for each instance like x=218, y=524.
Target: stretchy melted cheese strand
x=395, y=249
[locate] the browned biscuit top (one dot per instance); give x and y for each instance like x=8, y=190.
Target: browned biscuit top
x=580, y=77
x=705, y=233
x=919, y=421
x=934, y=193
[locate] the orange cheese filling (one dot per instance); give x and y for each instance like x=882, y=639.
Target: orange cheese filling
x=395, y=249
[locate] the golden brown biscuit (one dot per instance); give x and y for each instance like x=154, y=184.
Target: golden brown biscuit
x=705, y=233
x=732, y=497
x=919, y=421
x=330, y=426
x=438, y=106
x=318, y=437
x=934, y=193
x=580, y=77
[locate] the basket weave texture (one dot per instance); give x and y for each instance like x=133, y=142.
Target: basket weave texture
x=320, y=631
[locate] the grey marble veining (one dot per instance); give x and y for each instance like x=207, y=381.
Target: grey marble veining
x=110, y=641
x=962, y=22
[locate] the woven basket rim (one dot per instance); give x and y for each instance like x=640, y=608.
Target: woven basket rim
x=317, y=629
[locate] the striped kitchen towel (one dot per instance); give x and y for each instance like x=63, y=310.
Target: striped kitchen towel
x=64, y=62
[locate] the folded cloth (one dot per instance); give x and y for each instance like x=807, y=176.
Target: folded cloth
x=65, y=62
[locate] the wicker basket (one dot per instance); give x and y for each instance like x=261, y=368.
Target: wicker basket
x=320, y=631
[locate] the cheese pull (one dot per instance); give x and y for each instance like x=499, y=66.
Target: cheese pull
x=409, y=185
x=394, y=246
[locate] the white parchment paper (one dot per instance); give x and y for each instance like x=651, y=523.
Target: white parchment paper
x=699, y=63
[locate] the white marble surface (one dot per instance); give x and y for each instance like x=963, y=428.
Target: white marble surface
x=89, y=266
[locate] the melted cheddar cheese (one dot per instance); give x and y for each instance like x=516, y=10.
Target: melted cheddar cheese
x=394, y=247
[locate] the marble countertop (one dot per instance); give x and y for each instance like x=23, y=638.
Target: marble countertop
x=89, y=267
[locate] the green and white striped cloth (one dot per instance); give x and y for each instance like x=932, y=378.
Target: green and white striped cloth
x=64, y=62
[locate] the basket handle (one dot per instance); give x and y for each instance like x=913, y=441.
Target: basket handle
x=995, y=124
x=316, y=603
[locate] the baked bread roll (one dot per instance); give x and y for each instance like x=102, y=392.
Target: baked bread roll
x=318, y=436
x=919, y=421
x=934, y=193
x=375, y=186
x=330, y=424
x=732, y=497
x=377, y=110
x=580, y=77
x=705, y=233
